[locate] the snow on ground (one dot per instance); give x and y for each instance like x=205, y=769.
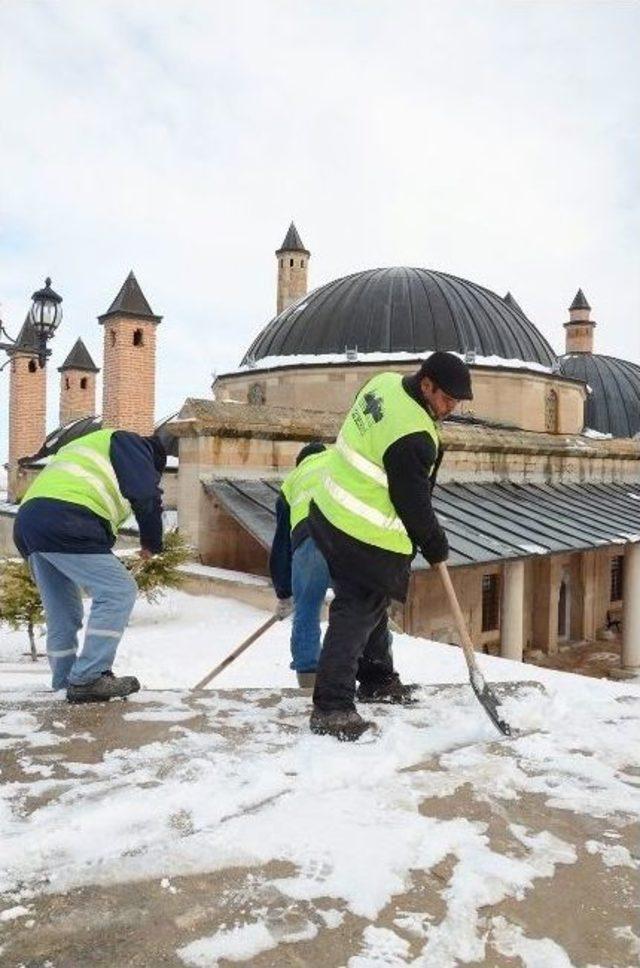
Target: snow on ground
x=346, y=816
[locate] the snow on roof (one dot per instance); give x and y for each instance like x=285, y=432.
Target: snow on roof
x=333, y=359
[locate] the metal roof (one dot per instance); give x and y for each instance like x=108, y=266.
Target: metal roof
x=484, y=522
x=613, y=406
x=79, y=358
x=402, y=309
x=292, y=242
x=130, y=301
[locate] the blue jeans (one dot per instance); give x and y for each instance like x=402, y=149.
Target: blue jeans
x=310, y=580
x=60, y=579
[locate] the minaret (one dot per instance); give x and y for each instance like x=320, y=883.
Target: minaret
x=580, y=327
x=293, y=264
x=77, y=385
x=129, y=367
x=27, y=404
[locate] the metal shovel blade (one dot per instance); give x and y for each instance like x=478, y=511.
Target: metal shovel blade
x=489, y=702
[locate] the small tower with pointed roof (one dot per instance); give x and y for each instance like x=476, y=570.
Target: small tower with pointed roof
x=129, y=362
x=579, y=338
x=293, y=266
x=27, y=405
x=77, y=384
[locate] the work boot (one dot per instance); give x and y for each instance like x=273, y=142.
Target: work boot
x=345, y=724
x=306, y=680
x=390, y=690
x=105, y=687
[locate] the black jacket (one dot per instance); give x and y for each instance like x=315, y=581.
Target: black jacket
x=408, y=463
x=48, y=524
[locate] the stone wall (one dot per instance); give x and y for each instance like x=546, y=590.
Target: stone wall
x=526, y=400
x=293, y=269
x=587, y=573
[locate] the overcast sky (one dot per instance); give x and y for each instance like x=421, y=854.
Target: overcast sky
x=495, y=140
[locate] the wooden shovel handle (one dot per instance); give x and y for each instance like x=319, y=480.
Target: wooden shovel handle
x=463, y=631
x=236, y=652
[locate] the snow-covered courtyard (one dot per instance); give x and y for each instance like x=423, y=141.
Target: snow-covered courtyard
x=210, y=828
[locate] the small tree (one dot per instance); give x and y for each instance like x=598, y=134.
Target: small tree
x=160, y=572
x=20, y=603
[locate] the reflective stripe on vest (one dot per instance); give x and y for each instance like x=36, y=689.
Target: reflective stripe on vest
x=355, y=496
x=81, y=473
x=361, y=463
x=300, y=486
x=353, y=504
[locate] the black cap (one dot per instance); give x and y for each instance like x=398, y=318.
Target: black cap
x=450, y=374
x=315, y=447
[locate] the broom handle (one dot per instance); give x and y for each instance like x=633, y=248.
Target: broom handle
x=236, y=652
x=463, y=631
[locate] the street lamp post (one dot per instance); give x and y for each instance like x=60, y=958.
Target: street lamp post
x=45, y=316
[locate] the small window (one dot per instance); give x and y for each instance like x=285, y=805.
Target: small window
x=67, y=383
x=617, y=578
x=83, y=383
x=138, y=337
x=281, y=263
x=302, y=263
x=112, y=336
x=32, y=366
x=291, y=262
x=490, y=602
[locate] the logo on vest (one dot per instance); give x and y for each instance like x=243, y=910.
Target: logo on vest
x=374, y=406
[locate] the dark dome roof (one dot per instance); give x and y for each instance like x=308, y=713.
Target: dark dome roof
x=402, y=310
x=613, y=406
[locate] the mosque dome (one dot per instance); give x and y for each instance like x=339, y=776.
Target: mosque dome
x=402, y=310
x=613, y=406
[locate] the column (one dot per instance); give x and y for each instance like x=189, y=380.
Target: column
x=631, y=613
x=512, y=617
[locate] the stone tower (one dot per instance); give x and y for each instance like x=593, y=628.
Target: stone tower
x=129, y=367
x=77, y=385
x=579, y=338
x=293, y=265
x=27, y=405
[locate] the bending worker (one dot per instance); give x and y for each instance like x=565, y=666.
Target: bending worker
x=370, y=515
x=66, y=527
x=299, y=572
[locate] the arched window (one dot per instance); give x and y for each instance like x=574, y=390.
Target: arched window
x=291, y=262
x=67, y=383
x=83, y=383
x=32, y=366
x=112, y=336
x=138, y=337
x=302, y=263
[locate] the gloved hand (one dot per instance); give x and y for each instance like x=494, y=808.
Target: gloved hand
x=284, y=608
x=437, y=549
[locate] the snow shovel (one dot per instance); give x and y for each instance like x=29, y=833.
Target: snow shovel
x=488, y=699
x=236, y=652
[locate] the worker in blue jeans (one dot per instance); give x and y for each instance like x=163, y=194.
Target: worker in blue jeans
x=298, y=570
x=66, y=527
